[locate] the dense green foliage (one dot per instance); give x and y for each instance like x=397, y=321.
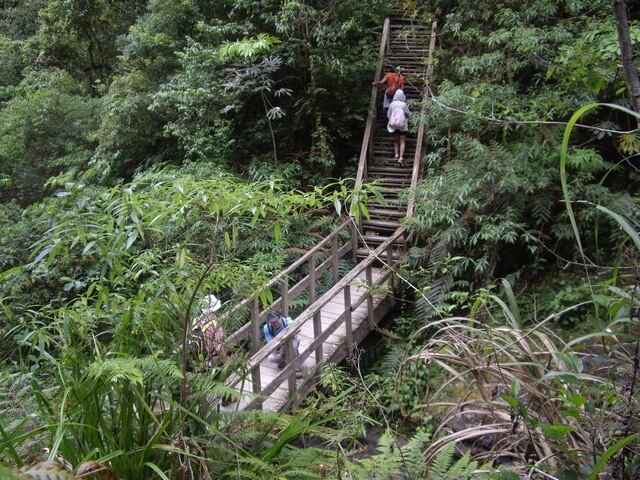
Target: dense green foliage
x=151, y=152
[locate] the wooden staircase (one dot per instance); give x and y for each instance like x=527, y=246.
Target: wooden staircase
x=340, y=318
x=408, y=45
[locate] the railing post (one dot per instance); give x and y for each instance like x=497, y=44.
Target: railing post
x=347, y=322
x=255, y=344
x=317, y=330
x=312, y=279
x=255, y=326
x=289, y=356
x=391, y=264
x=370, y=296
x=335, y=259
x=354, y=242
x=284, y=292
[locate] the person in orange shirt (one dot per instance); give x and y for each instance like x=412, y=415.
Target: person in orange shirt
x=393, y=81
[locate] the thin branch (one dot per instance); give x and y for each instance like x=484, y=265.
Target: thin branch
x=492, y=119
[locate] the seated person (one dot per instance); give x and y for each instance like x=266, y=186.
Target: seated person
x=276, y=323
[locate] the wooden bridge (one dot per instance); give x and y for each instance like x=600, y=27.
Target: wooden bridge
x=338, y=319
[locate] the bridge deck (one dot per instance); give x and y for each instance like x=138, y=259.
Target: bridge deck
x=331, y=348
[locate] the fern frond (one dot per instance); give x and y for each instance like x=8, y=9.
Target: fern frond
x=388, y=333
x=18, y=406
x=393, y=460
x=540, y=209
x=390, y=362
x=413, y=456
x=464, y=468
x=135, y=370
x=442, y=461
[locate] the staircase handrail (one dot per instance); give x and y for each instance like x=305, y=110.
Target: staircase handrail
x=416, y=174
x=369, y=129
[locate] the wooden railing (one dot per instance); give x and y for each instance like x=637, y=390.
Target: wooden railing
x=416, y=174
x=284, y=292
x=314, y=314
x=369, y=130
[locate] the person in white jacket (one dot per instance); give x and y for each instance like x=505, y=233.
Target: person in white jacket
x=398, y=124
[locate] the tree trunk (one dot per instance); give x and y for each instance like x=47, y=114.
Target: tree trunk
x=624, y=39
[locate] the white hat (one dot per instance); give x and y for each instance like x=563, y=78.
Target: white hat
x=210, y=304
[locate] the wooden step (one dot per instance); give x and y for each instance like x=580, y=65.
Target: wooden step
x=387, y=154
x=393, y=204
x=391, y=182
x=388, y=226
x=383, y=217
x=384, y=153
x=388, y=168
x=389, y=191
x=374, y=241
x=388, y=187
x=363, y=253
x=389, y=213
x=387, y=163
x=391, y=195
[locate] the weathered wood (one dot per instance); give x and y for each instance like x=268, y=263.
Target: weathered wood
x=323, y=330
x=366, y=149
x=416, y=174
x=342, y=317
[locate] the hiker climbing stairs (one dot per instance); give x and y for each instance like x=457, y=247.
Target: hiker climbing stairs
x=407, y=48
x=337, y=320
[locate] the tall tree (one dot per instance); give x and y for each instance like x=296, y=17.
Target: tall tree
x=81, y=35
x=45, y=131
x=626, y=49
